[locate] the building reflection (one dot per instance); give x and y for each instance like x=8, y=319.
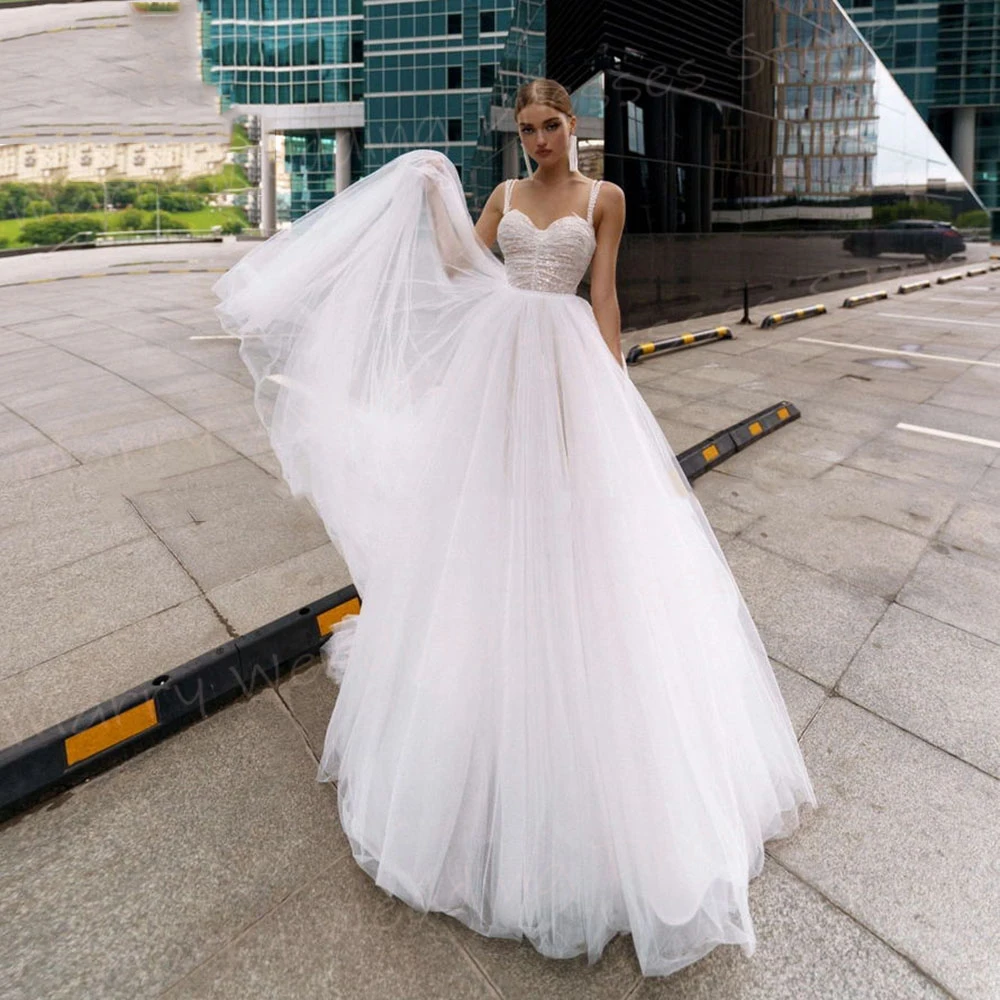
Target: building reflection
x=750, y=153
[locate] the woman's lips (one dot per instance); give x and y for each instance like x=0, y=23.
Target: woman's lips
x=543, y=152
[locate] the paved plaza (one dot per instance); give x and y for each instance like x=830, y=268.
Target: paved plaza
x=144, y=522
x=101, y=71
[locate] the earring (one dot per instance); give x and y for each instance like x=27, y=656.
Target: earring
x=574, y=159
x=526, y=160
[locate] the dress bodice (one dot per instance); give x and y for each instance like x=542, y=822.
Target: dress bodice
x=553, y=259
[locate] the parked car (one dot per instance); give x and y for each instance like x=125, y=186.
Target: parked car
x=936, y=241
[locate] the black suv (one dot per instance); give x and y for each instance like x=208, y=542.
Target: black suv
x=936, y=241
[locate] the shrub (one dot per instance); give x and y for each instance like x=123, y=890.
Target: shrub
x=974, y=219
x=171, y=201
x=232, y=226
x=54, y=229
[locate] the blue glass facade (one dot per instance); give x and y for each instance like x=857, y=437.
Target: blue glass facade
x=430, y=69
x=946, y=57
x=283, y=51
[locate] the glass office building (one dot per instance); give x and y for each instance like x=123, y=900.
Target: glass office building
x=753, y=140
x=946, y=58
x=340, y=87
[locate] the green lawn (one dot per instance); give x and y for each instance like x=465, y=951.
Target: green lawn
x=203, y=219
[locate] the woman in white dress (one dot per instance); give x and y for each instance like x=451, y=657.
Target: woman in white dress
x=555, y=717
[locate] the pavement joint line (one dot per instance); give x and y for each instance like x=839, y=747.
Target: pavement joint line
x=251, y=924
x=117, y=274
x=951, y=435
x=939, y=319
x=855, y=919
x=905, y=354
x=214, y=336
x=486, y=979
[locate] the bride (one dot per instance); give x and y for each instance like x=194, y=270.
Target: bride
x=555, y=717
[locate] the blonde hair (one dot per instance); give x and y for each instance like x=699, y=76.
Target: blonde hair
x=542, y=90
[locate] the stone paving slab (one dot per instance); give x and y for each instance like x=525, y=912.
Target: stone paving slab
x=934, y=680
x=123, y=886
x=905, y=841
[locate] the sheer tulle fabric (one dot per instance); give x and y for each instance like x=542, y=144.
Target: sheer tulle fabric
x=556, y=718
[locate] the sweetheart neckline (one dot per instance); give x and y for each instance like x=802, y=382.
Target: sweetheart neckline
x=572, y=215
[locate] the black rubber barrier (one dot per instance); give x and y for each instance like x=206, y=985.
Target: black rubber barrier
x=913, y=286
x=945, y=278
x=95, y=740
x=776, y=319
x=640, y=351
x=973, y=271
x=859, y=300
x=707, y=454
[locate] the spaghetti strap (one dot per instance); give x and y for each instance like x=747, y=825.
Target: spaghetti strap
x=593, y=201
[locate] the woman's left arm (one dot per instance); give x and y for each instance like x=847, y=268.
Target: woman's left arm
x=609, y=223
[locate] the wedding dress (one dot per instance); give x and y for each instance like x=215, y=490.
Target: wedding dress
x=555, y=719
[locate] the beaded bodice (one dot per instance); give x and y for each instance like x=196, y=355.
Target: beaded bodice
x=553, y=259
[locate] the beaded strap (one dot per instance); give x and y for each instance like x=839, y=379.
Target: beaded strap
x=593, y=201
x=508, y=188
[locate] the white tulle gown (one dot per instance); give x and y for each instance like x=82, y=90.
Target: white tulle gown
x=555, y=718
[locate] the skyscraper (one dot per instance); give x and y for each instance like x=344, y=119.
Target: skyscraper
x=946, y=56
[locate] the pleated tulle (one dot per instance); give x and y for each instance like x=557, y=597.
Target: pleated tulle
x=556, y=719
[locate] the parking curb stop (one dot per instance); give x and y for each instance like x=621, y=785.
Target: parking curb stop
x=92, y=741
x=913, y=286
x=776, y=319
x=700, y=458
x=680, y=342
x=860, y=300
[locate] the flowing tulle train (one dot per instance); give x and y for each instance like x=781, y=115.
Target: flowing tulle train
x=555, y=717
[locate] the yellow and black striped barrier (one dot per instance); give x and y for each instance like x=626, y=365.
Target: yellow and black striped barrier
x=776, y=319
x=707, y=454
x=97, y=739
x=641, y=351
x=913, y=286
x=943, y=279
x=860, y=300
x=974, y=271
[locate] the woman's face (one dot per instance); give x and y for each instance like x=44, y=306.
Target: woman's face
x=544, y=133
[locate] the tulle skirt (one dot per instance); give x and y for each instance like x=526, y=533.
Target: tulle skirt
x=555, y=718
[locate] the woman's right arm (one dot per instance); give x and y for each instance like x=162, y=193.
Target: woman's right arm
x=455, y=252
x=489, y=219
